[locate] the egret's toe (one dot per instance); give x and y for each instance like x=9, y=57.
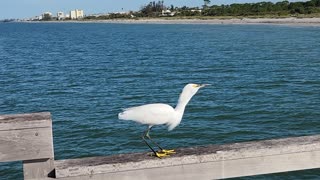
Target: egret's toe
x=168, y=151
x=161, y=154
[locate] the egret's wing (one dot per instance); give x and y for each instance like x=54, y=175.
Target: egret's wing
x=151, y=114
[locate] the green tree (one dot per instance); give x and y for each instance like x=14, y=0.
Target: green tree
x=206, y=3
x=46, y=17
x=153, y=8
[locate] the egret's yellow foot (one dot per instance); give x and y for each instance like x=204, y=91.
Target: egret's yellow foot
x=167, y=151
x=160, y=154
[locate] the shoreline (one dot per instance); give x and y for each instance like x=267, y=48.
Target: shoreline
x=244, y=21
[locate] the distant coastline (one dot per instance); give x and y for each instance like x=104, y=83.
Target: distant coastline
x=284, y=21
x=311, y=21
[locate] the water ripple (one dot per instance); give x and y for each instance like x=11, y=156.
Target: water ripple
x=263, y=86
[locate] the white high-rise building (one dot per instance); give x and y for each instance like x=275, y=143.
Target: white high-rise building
x=76, y=14
x=60, y=16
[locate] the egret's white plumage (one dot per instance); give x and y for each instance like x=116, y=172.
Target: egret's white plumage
x=157, y=114
x=151, y=114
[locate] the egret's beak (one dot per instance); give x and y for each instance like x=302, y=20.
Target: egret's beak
x=203, y=85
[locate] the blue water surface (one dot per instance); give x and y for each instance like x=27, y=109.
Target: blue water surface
x=265, y=83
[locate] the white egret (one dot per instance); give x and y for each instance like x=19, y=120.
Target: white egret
x=157, y=114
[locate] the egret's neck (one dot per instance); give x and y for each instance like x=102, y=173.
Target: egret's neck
x=183, y=101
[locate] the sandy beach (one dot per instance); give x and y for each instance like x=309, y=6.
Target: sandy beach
x=284, y=21
x=278, y=21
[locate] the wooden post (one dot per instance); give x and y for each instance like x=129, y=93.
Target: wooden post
x=40, y=168
x=28, y=138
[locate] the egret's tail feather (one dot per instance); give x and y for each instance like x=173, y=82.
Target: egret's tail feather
x=128, y=114
x=122, y=116
x=125, y=115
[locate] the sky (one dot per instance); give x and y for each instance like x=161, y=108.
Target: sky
x=20, y=9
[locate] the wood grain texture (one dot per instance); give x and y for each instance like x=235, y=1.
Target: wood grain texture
x=211, y=169
x=229, y=160
x=26, y=137
x=25, y=121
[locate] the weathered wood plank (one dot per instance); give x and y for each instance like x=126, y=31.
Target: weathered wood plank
x=26, y=144
x=26, y=137
x=38, y=169
x=214, y=169
x=210, y=162
x=25, y=121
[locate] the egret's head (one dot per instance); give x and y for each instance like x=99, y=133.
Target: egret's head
x=188, y=91
x=193, y=88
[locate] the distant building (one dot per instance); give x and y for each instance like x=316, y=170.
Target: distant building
x=46, y=16
x=60, y=15
x=196, y=10
x=76, y=14
x=36, y=18
x=167, y=13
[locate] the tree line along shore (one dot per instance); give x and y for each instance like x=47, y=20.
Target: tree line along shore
x=281, y=9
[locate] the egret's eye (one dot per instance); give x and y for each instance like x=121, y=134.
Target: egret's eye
x=195, y=85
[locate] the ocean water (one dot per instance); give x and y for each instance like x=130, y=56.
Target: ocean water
x=265, y=83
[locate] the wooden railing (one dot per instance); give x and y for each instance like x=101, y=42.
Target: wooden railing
x=28, y=138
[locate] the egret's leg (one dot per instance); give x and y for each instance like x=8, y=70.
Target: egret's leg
x=148, y=136
x=161, y=149
x=158, y=154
